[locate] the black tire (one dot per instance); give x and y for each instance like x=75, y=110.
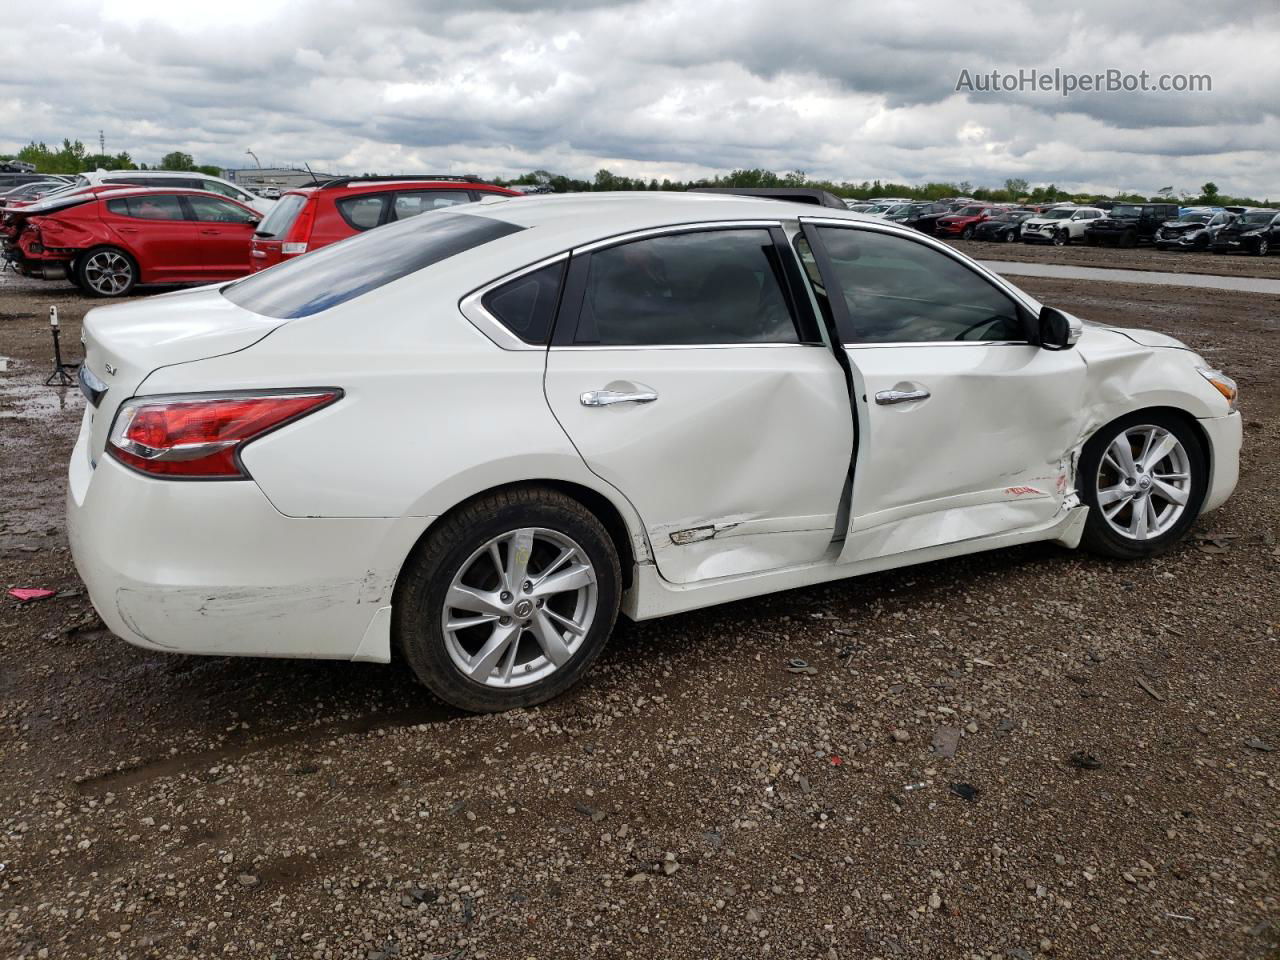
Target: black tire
x=1262, y=247
x=966, y=233
x=89, y=273
x=1099, y=537
x=1090, y=241
x=1010, y=236
x=1129, y=240
x=420, y=593
x=1062, y=239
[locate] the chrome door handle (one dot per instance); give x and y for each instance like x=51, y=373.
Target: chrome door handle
x=901, y=396
x=605, y=398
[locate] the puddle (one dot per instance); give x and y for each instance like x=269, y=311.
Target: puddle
x=25, y=397
x=1202, y=280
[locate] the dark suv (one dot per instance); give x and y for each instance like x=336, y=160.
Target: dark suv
x=1127, y=224
x=1257, y=231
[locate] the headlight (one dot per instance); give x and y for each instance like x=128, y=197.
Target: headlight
x=1221, y=382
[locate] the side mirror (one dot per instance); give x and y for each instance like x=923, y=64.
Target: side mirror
x=1057, y=330
x=253, y=221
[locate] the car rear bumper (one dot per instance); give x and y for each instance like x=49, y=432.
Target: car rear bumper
x=1225, y=435
x=214, y=568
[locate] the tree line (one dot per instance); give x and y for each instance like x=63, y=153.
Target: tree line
x=74, y=157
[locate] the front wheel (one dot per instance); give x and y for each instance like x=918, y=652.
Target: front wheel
x=1262, y=247
x=1010, y=237
x=106, y=272
x=966, y=233
x=508, y=601
x=1143, y=478
x=1061, y=238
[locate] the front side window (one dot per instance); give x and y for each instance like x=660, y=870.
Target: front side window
x=410, y=203
x=151, y=207
x=215, y=210
x=355, y=266
x=711, y=287
x=900, y=291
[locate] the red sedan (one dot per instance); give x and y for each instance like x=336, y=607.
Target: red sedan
x=107, y=243
x=961, y=223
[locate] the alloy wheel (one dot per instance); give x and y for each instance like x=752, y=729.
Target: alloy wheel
x=1143, y=482
x=519, y=608
x=108, y=273
x=1263, y=247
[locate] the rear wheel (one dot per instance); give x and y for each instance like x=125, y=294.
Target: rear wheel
x=509, y=600
x=1143, y=478
x=106, y=272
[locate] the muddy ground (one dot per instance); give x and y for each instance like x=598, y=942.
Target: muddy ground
x=693, y=798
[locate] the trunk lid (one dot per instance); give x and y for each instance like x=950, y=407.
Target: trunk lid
x=125, y=343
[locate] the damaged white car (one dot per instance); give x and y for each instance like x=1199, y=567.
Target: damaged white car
x=472, y=438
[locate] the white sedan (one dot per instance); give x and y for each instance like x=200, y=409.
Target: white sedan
x=473, y=438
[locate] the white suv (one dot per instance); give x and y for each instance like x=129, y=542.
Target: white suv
x=1060, y=225
x=188, y=179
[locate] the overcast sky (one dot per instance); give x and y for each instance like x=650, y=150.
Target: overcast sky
x=845, y=90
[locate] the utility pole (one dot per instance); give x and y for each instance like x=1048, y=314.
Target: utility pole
x=102, y=143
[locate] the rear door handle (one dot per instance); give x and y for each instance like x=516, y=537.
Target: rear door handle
x=211, y=233
x=605, y=398
x=885, y=397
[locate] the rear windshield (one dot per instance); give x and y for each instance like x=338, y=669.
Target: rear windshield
x=282, y=215
x=352, y=267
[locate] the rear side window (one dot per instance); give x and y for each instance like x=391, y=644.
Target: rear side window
x=282, y=215
x=527, y=305
x=346, y=270
x=714, y=287
x=147, y=208
x=362, y=212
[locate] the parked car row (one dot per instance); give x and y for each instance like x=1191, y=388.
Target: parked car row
x=108, y=235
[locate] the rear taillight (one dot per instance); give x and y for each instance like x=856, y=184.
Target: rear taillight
x=295, y=240
x=197, y=436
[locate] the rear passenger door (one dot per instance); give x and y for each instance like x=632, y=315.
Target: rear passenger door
x=688, y=370
x=156, y=231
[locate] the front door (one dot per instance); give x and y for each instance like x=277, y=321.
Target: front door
x=691, y=376
x=966, y=428
x=224, y=232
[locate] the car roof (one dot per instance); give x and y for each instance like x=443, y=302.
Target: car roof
x=569, y=219
x=382, y=186
x=163, y=174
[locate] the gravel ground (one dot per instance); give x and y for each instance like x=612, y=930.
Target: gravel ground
x=1140, y=258
x=1030, y=753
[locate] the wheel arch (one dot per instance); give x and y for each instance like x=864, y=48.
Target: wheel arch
x=1181, y=413
x=610, y=515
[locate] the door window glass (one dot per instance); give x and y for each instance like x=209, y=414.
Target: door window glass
x=159, y=207
x=214, y=210
x=898, y=290
x=719, y=286
x=410, y=203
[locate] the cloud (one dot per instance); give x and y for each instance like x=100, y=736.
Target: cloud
x=849, y=91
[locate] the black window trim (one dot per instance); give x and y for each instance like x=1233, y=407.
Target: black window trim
x=189, y=212
x=574, y=288
x=182, y=205
x=839, y=309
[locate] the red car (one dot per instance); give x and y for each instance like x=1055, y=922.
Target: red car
x=313, y=217
x=108, y=241
x=961, y=223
